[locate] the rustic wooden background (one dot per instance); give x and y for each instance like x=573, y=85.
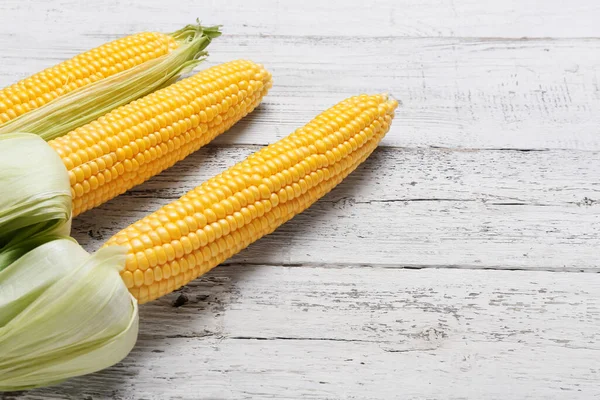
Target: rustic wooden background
x=459, y=262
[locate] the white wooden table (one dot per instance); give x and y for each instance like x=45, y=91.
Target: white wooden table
x=459, y=262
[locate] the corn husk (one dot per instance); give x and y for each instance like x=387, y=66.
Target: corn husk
x=63, y=312
x=35, y=200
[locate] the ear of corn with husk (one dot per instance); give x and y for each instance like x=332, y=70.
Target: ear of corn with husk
x=75, y=92
x=80, y=314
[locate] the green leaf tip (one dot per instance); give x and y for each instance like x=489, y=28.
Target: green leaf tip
x=191, y=31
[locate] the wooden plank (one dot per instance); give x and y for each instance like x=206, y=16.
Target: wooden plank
x=538, y=177
x=468, y=93
x=418, y=208
x=532, y=94
x=310, y=17
x=336, y=314
x=365, y=333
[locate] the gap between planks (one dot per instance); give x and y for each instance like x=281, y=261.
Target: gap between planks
x=456, y=94
x=456, y=333
x=479, y=18
x=414, y=208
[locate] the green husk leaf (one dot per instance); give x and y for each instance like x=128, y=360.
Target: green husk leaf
x=63, y=312
x=191, y=30
x=92, y=101
x=35, y=205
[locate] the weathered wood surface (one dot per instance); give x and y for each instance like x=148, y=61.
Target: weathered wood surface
x=457, y=18
x=414, y=207
x=467, y=93
x=362, y=333
x=329, y=306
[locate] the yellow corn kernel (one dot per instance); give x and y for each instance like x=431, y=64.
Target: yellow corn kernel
x=81, y=70
x=135, y=142
x=254, y=197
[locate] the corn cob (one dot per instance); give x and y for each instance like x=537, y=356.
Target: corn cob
x=101, y=62
x=135, y=142
x=187, y=238
x=92, y=83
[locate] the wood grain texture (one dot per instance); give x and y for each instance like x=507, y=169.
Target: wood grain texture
x=416, y=208
x=467, y=93
x=361, y=333
x=458, y=18
x=531, y=94
x=390, y=286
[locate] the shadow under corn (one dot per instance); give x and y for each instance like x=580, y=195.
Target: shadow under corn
x=195, y=312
